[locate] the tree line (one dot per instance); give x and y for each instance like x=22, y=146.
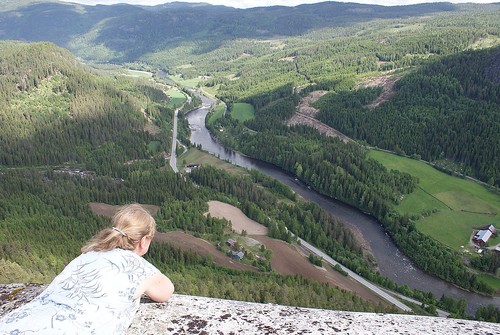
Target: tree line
x=343, y=171
x=444, y=110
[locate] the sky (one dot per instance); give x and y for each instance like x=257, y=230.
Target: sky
x=263, y=3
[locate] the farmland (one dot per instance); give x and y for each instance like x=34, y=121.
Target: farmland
x=445, y=207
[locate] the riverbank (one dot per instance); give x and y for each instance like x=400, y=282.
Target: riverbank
x=392, y=263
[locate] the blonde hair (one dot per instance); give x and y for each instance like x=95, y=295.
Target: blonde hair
x=130, y=224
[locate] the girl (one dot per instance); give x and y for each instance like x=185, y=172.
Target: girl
x=99, y=291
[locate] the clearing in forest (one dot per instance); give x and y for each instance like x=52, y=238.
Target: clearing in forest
x=238, y=219
x=387, y=82
x=306, y=115
x=447, y=208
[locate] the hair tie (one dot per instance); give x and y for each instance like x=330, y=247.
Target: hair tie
x=119, y=230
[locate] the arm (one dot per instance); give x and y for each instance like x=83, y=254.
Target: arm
x=158, y=287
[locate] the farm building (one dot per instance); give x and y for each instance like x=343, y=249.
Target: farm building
x=484, y=234
x=190, y=167
x=231, y=242
x=238, y=255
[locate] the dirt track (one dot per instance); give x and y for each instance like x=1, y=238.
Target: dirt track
x=306, y=115
x=387, y=82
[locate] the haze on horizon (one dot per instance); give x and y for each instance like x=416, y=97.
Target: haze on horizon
x=266, y=3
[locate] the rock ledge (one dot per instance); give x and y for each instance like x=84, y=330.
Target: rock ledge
x=198, y=315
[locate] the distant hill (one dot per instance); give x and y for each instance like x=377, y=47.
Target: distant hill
x=248, y=54
x=128, y=32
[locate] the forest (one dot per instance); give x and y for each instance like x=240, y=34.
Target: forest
x=330, y=45
x=344, y=172
x=447, y=109
x=55, y=111
x=44, y=201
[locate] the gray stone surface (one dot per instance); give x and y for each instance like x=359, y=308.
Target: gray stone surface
x=198, y=315
x=203, y=316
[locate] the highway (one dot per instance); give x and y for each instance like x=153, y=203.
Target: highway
x=173, y=154
x=355, y=276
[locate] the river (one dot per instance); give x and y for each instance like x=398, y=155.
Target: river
x=392, y=263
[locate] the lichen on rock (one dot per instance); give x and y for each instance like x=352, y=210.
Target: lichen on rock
x=185, y=314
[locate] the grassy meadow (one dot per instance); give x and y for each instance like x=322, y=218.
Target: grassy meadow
x=217, y=114
x=490, y=280
x=139, y=74
x=177, y=98
x=196, y=156
x=242, y=112
x=193, y=82
x=450, y=208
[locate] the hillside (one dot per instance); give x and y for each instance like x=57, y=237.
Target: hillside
x=245, y=55
x=446, y=110
x=73, y=137
x=55, y=111
x=125, y=32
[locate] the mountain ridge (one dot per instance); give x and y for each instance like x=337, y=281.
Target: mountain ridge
x=154, y=27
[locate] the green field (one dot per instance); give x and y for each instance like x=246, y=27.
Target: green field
x=177, y=98
x=217, y=114
x=450, y=207
x=490, y=280
x=139, y=74
x=195, y=156
x=193, y=82
x=242, y=112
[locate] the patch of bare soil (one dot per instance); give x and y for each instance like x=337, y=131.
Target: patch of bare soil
x=109, y=210
x=238, y=219
x=201, y=247
x=387, y=82
x=150, y=127
x=286, y=260
x=306, y=115
x=358, y=236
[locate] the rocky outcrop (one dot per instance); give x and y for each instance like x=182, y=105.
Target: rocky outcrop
x=198, y=315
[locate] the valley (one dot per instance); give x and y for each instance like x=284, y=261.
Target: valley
x=390, y=261
x=304, y=96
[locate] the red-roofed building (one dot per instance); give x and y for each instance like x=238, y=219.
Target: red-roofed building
x=482, y=237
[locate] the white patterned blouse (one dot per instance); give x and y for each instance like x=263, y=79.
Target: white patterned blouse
x=92, y=295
